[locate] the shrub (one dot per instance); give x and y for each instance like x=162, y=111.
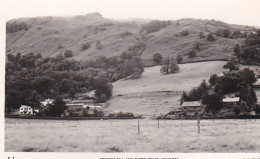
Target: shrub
x=68, y=54
x=125, y=115
x=184, y=33
x=179, y=59
x=192, y=54
x=85, y=46
x=210, y=37
x=201, y=35
x=157, y=58
x=236, y=110
x=14, y=26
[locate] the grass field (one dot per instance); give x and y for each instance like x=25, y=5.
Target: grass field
x=155, y=93
x=23, y=135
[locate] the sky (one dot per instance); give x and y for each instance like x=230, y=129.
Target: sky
x=243, y=12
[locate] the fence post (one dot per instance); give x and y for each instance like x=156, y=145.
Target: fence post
x=138, y=126
x=198, y=124
x=158, y=122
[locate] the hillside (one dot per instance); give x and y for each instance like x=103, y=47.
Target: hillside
x=51, y=36
x=156, y=93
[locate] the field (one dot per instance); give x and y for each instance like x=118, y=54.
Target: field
x=23, y=135
x=155, y=93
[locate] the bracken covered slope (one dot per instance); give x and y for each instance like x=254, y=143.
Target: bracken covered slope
x=51, y=36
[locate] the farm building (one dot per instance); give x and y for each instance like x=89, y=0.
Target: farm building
x=191, y=107
x=257, y=84
x=27, y=110
x=231, y=101
x=46, y=102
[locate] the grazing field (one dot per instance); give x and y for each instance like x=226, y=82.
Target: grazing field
x=23, y=135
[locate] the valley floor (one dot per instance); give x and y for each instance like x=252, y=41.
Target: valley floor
x=23, y=135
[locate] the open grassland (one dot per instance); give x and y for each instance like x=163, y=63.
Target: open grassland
x=122, y=136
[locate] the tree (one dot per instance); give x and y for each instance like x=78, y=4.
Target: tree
x=231, y=65
x=68, y=54
x=85, y=46
x=213, y=79
x=169, y=66
x=257, y=109
x=197, y=46
x=192, y=54
x=157, y=58
x=102, y=86
x=201, y=35
x=212, y=101
x=237, y=51
x=248, y=95
x=210, y=37
x=179, y=59
x=58, y=107
x=33, y=99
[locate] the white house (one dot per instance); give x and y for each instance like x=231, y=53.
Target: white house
x=27, y=110
x=46, y=102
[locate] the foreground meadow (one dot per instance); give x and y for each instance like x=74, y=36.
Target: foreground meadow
x=122, y=136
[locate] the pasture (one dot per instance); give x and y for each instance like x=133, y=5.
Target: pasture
x=23, y=135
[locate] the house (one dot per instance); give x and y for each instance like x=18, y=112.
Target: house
x=231, y=101
x=46, y=102
x=27, y=110
x=257, y=84
x=191, y=107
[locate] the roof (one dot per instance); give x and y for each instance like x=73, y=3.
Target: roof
x=228, y=99
x=257, y=82
x=191, y=104
x=25, y=106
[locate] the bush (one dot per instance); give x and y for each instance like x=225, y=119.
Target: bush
x=236, y=110
x=13, y=26
x=85, y=46
x=124, y=115
x=184, y=33
x=157, y=58
x=68, y=54
x=179, y=59
x=210, y=37
x=192, y=54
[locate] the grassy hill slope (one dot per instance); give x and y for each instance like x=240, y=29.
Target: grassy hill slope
x=51, y=36
x=156, y=93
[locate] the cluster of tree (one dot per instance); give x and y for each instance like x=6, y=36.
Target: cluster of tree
x=31, y=77
x=231, y=65
x=226, y=33
x=211, y=95
x=14, y=26
x=154, y=26
x=196, y=93
x=169, y=66
x=233, y=81
x=249, y=51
